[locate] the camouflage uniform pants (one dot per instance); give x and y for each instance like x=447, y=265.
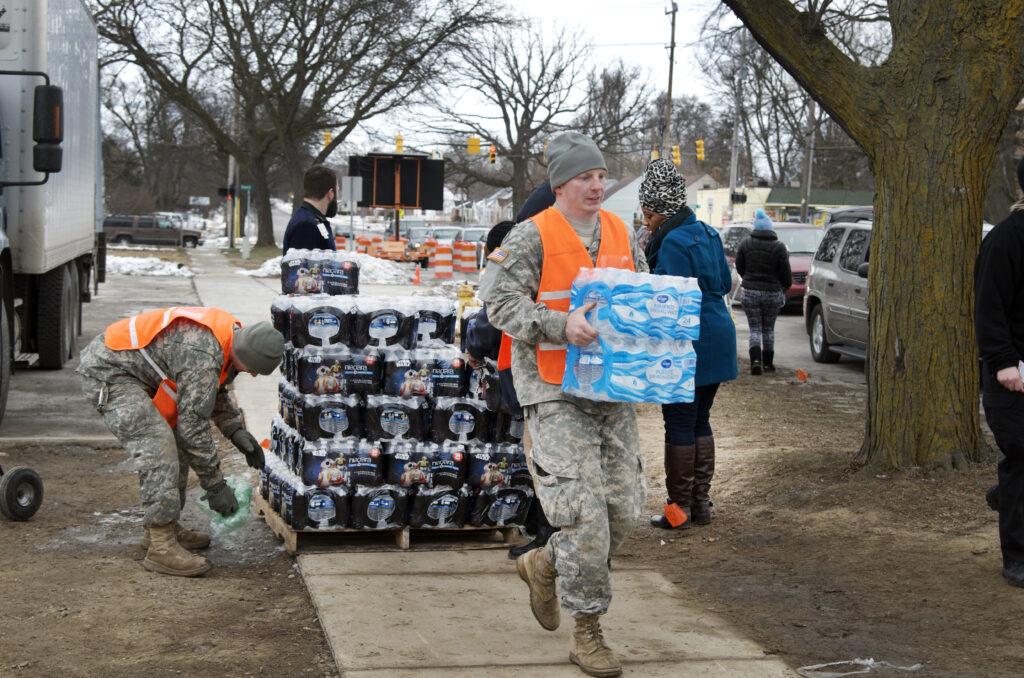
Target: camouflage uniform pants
x=589, y=477
x=154, y=448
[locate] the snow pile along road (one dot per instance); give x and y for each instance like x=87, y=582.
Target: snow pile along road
x=146, y=266
x=372, y=271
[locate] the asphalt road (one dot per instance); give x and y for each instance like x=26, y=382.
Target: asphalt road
x=793, y=352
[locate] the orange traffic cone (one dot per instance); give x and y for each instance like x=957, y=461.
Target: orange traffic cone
x=416, y=276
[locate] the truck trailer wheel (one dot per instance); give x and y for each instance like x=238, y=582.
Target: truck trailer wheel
x=55, y=324
x=21, y=493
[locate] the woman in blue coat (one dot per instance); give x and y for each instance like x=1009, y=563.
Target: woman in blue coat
x=681, y=245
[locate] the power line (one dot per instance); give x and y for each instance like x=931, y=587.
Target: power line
x=630, y=44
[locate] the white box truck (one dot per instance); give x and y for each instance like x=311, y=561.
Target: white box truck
x=50, y=179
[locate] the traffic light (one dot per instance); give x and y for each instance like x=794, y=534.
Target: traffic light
x=398, y=144
x=473, y=145
x=327, y=138
x=700, y=149
x=654, y=154
x=226, y=192
x=493, y=155
x=675, y=155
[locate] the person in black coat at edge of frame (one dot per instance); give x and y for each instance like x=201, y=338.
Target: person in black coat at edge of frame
x=999, y=328
x=483, y=340
x=308, y=229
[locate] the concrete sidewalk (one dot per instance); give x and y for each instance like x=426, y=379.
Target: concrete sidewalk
x=466, y=613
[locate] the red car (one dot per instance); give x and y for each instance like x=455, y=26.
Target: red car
x=800, y=239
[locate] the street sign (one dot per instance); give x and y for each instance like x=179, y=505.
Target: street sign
x=246, y=187
x=351, y=188
x=199, y=200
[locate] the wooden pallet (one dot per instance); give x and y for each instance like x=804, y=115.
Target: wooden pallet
x=405, y=538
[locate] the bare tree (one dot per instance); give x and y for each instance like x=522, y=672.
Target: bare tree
x=929, y=117
x=613, y=113
x=838, y=162
x=287, y=70
x=156, y=147
x=528, y=88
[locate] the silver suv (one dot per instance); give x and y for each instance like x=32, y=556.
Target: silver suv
x=836, y=300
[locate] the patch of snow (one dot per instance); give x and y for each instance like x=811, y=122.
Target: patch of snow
x=146, y=266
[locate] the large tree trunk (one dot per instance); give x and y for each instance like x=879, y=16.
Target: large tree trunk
x=928, y=119
x=520, y=168
x=261, y=196
x=922, y=358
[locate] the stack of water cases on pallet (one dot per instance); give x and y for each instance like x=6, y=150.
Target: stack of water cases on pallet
x=382, y=424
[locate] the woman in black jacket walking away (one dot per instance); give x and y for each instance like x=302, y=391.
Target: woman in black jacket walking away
x=763, y=263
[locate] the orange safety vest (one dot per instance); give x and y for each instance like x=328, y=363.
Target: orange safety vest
x=136, y=332
x=505, y=352
x=564, y=256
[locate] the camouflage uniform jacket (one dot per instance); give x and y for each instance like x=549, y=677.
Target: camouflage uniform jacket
x=510, y=291
x=190, y=355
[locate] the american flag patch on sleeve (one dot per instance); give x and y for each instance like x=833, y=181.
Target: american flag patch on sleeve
x=498, y=255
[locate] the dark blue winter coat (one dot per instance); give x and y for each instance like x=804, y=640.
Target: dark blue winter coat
x=303, y=233
x=686, y=247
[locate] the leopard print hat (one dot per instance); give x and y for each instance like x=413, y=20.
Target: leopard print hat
x=663, y=190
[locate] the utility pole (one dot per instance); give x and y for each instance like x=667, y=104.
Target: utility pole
x=741, y=75
x=671, y=63
x=230, y=208
x=805, y=186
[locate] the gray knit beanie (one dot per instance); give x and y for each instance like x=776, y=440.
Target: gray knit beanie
x=259, y=347
x=663, y=189
x=571, y=154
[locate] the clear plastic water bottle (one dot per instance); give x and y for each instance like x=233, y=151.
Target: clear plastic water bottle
x=590, y=365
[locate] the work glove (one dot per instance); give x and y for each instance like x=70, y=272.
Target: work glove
x=221, y=499
x=247, y=445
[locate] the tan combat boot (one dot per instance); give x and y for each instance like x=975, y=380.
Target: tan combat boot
x=166, y=555
x=589, y=651
x=535, y=568
x=190, y=539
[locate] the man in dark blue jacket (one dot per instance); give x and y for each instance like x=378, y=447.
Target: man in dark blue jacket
x=308, y=228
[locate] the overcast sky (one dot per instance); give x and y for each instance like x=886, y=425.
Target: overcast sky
x=639, y=32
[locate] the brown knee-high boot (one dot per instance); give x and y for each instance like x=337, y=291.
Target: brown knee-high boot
x=703, y=470
x=679, y=460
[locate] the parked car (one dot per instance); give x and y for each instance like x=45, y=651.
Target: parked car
x=863, y=213
x=836, y=301
x=148, y=229
x=342, y=227
x=446, y=232
x=800, y=239
x=477, y=234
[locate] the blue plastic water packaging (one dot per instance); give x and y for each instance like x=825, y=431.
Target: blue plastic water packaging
x=645, y=325
x=641, y=304
x=631, y=369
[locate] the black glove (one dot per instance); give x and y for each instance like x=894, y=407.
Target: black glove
x=222, y=499
x=247, y=445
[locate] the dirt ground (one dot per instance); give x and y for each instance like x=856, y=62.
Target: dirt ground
x=809, y=559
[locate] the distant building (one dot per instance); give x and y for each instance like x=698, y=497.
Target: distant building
x=781, y=204
x=494, y=207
